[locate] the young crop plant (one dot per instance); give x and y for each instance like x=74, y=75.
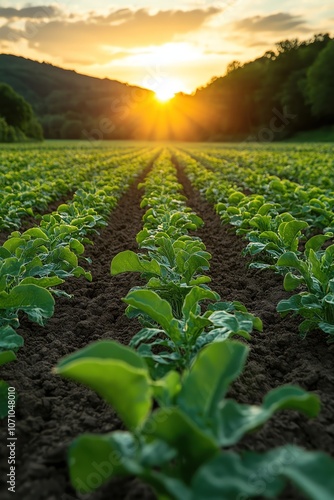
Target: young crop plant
x=182, y=428
x=35, y=262
x=179, y=339
x=175, y=261
x=315, y=274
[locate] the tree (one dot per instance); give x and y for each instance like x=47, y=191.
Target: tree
x=18, y=116
x=13, y=108
x=320, y=78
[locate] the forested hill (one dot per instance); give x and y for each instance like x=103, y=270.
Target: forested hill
x=68, y=103
x=287, y=90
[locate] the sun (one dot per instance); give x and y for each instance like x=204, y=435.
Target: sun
x=166, y=89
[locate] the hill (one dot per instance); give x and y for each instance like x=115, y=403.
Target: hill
x=68, y=103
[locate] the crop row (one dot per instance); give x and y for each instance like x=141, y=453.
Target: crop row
x=35, y=262
x=310, y=199
x=274, y=236
x=170, y=387
x=31, y=181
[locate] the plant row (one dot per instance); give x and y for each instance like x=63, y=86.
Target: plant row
x=31, y=181
x=35, y=262
x=170, y=387
x=275, y=238
x=306, y=193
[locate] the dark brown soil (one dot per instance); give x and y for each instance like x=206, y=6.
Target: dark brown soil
x=52, y=411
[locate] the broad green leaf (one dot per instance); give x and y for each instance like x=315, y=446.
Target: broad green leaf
x=230, y=476
x=13, y=243
x=117, y=374
x=291, y=304
x=315, y=243
x=291, y=282
x=130, y=261
x=289, y=232
x=270, y=235
x=193, y=298
x=106, y=349
x=43, y=282
x=11, y=266
x=167, y=387
x=236, y=419
x=101, y=456
x=238, y=322
x=156, y=308
x=290, y=259
x=9, y=339
x=174, y=427
x=37, y=302
x=208, y=380
x=326, y=327
x=4, y=254
x=36, y=232
x=6, y=357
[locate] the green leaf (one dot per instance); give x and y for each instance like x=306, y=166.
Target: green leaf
x=36, y=232
x=175, y=428
x=13, y=243
x=235, y=323
x=230, y=476
x=101, y=456
x=291, y=282
x=289, y=232
x=315, y=243
x=37, y=302
x=208, y=380
x=291, y=304
x=312, y=473
x=193, y=298
x=9, y=339
x=156, y=308
x=236, y=420
x=6, y=357
x=290, y=259
x=117, y=373
x=43, y=282
x=130, y=261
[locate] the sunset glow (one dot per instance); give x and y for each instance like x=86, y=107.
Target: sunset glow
x=167, y=88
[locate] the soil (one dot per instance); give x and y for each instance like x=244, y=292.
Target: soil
x=52, y=411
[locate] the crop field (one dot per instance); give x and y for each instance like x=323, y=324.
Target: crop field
x=167, y=321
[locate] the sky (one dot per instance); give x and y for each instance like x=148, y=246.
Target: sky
x=154, y=44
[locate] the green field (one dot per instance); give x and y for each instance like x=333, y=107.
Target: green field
x=191, y=287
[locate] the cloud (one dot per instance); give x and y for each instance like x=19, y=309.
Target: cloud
x=95, y=38
x=39, y=12
x=273, y=23
x=9, y=34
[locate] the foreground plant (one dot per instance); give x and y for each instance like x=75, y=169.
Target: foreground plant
x=178, y=447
